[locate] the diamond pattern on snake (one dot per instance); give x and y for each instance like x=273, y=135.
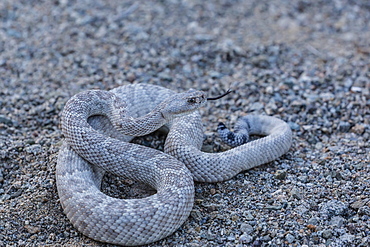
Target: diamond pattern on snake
x=98, y=126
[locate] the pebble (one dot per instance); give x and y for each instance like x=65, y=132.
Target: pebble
x=364, y=210
x=358, y=129
x=332, y=208
x=245, y=238
x=32, y=229
x=246, y=228
x=314, y=221
x=248, y=216
x=327, y=234
x=344, y=126
x=337, y=221
x=289, y=238
x=294, y=126
x=347, y=238
x=296, y=193
x=256, y=106
x=358, y=204
x=5, y=120
x=280, y=174
x=34, y=149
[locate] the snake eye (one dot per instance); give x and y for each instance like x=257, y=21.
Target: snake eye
x=191, y=100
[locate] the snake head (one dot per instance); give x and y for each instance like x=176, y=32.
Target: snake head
x=182, y=104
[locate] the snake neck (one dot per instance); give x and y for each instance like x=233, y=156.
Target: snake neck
x=140, y=126
x=96, y=102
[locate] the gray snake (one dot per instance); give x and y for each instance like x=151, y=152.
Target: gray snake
x=98, y=126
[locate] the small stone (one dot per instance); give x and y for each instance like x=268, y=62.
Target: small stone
x=248, y=216
x=290, y=82
x=269, y=89
x=332, y=208
x=347, y=238
x=32, y=229
x=337, y=221
x=5, y=120
x=231, y=238
x=344, y=126
x=290, y=238
x=280, y=174
x=245, y=239
x=131, y=77
x=318, y=145
x=338, y=176
x=16, y=194
x=260, y=61
x=215, y=74
x=301, y=209
x=34, y=149
x=311, y=227
x=258, y=243
x=294, y=126
x=298, y=103
x=203, y=37
x=358, y=129
x=234, y=218
x=165, y=76
x=208, y=149
x=327, y=96
x=327, y=233
x=313, y=221
x=356, y=89
x=246, y=228
x=193, y=244
x=196, y=215
x=303, y=178
x=274, y=207
x=256, y=106
x=5, y=197
x=296, y=193
x=365, y=210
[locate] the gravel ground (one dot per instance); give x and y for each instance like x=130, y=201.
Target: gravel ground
x=306, y=62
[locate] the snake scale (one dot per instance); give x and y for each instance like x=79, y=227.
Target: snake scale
x=98, y=126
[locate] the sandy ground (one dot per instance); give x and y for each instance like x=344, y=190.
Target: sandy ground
x=304, y=62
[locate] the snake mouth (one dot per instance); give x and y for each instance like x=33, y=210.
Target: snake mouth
x=185, y=112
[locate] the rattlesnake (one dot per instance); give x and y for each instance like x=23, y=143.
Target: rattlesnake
x=94, y=144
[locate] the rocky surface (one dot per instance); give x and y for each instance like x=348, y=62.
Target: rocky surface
x=306, y=62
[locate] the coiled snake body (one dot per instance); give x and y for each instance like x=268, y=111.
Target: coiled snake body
x=98, y=125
